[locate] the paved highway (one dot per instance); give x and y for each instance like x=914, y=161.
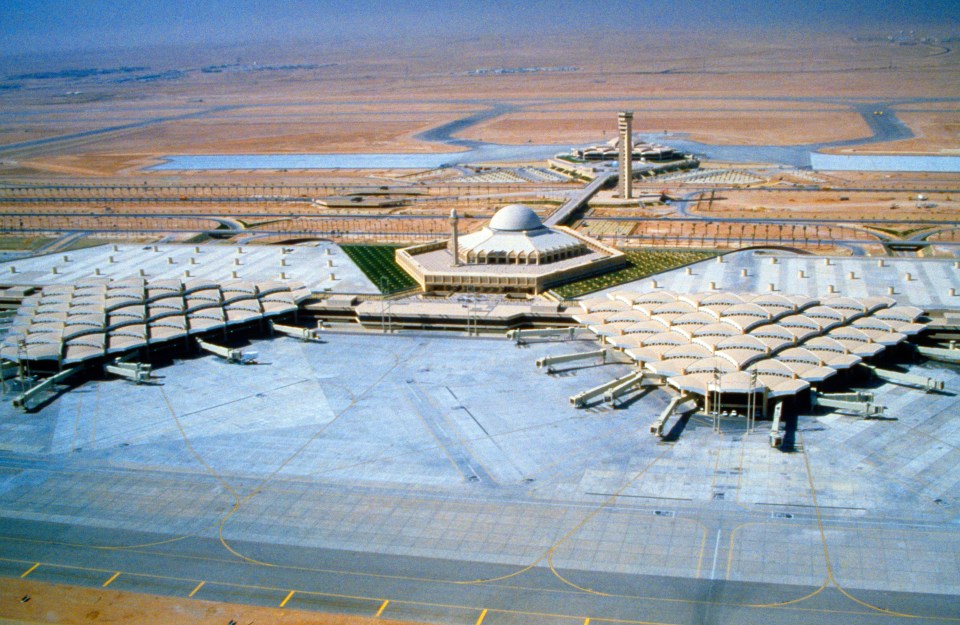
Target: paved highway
x=24, y=148
x=684, y=241
x=684, y=217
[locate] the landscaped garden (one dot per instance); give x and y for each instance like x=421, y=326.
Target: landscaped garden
x=641, y=264
x=378, y=263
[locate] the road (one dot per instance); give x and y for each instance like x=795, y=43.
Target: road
x=26, y=148
x=683, y=216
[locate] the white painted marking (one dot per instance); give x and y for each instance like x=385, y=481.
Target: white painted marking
x=716, y=551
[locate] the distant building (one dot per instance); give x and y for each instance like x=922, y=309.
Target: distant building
x=514, y=253
x=641, y=151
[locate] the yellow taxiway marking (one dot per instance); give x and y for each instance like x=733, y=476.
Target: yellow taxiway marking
x=112, y=577
x=586, y=621
x=383, y=607
x=787, y=606
x=194, y=591
x=483, y=615
x=30, y=570
x=703, y=546
x=287, y=598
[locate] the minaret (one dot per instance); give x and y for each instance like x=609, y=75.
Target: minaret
x=453, y=236
x=625, y=127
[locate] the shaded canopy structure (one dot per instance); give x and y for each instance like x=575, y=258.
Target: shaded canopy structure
x=744, y=342
x=69, y=324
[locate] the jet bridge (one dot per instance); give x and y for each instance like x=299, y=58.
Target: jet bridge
x=907, y=379
x=136, y=372
x=580, y=399
x=9, y=370
x=949, y=353
x=641, y=378
x=304, y=334
x=549, y=361
x=231, y=355
x=22, y=400
x=859, y=403
x=521, y=335
x=776, y=435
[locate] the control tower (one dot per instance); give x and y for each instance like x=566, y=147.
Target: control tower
x=625, y=127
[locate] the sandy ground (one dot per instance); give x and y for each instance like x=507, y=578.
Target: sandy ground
x=377, y=100
x=251, y=134
x=936, y=133
x=736, y=127
x=829, y=205
x=887, y=180
x=71, y=605
x=711, y=235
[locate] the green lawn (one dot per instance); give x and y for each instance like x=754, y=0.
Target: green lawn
x=642, y=263
x=23, y=243
x=377, y=262
x=83, y=243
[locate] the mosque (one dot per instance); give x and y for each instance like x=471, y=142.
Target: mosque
x=514, y=253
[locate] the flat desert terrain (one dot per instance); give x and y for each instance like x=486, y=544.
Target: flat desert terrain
x=72, y=605
x=772, y=90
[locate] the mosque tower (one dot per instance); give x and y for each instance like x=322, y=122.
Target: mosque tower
x=454, y=218
x=625, y=126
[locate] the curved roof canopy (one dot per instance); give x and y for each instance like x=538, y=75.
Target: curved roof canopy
x=69, y=326
x=789, y=341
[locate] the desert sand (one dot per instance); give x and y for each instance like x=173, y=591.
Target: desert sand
x=776, y=91
x=73, y=605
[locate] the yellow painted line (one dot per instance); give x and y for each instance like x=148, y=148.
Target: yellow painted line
x=383, y=607
x=733, y=539
x=30, y=570
x=483, y=615
x=287, y=598
x=586, y=621
x=194, y=591
x=791, y=607
x=703, y=546
x=112, y=577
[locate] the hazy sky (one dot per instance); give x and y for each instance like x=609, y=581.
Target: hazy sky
x=46, y=25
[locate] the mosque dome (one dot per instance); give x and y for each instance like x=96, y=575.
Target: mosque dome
x=516, y=236
x=515, y=218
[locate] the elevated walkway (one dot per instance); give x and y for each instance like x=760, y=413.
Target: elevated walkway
x=578, y=201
